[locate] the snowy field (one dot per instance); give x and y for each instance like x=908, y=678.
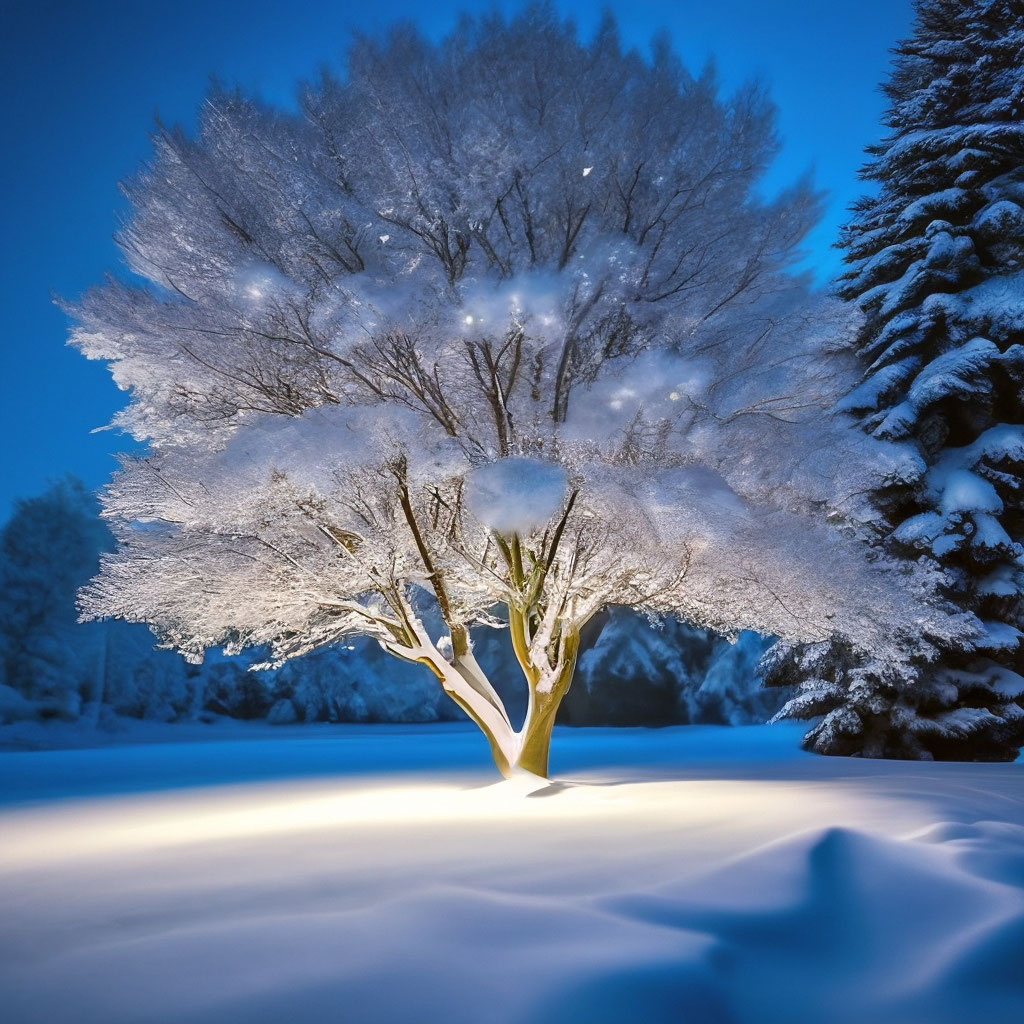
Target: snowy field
x=380, y=874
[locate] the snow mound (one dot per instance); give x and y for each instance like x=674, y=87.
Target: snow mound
x=724, y=877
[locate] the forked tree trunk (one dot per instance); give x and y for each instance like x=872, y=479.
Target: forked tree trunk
x=525, y=749
x=514, y=751
x=462, y=678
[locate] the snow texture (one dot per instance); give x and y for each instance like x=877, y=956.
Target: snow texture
x=516, y=495
x=712, y=876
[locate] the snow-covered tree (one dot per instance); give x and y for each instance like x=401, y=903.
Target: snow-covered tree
x=48, y=549
x=496, y=330
x=51, y=546
x=936, y=264
x=631, y=674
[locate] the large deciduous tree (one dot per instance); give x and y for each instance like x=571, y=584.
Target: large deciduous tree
x=496, y=325
x=936, y=264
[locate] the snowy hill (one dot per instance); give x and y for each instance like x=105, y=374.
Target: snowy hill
x=376, y=874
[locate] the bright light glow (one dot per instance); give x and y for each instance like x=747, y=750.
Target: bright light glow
x=587, y=170
x=468, y=320
x=126, y=824
x=224, y=813
x=674, y=396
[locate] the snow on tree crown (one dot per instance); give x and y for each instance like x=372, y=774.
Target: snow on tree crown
x=508, y=248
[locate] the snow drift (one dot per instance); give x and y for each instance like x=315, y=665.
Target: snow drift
x=719, y=879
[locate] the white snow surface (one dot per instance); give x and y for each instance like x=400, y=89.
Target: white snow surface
x=379, y=874
x=516, y=495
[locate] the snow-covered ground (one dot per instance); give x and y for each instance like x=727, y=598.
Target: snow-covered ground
x=380, y=874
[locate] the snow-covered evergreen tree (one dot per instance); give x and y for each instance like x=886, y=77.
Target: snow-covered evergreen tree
x=494, y=323
x=62, y=668
x=936, y=265
x=48, y=548
x=633, y=674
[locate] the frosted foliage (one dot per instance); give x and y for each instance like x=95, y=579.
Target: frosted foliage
x=398, y=346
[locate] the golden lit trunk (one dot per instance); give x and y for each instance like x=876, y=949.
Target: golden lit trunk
x=533, y=755
x=542, y=709
x=526, y=750
x=464, y=681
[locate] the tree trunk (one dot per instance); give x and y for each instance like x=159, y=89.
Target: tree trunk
x=525, y=750
x=99, y=686
x=535, y=735
x=533, y=756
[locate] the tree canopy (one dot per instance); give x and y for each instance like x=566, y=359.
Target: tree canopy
x=501, y=323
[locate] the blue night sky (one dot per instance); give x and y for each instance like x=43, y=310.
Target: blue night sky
x=80, y=83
